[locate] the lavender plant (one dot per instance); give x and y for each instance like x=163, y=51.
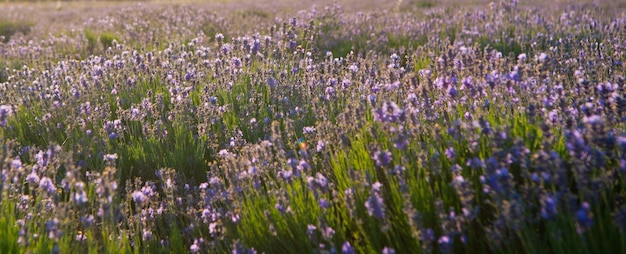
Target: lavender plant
x=417, y=129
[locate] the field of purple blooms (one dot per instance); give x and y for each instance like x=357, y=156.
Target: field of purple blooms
x=409, y=128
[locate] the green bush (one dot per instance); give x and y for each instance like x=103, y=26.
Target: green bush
x=9, y=28
x=107, y=39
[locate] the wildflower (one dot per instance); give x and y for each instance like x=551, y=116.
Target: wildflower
x=346, y=248
x=321, y=180
x=320, y=146
x=452, y=92
x=146, y=234
x=219, y=37
x=388, y=250
x=382, y=158
x=308, y=129
x=139, y=197
x=330, y=92
x=110, y=158
x=548, y=207
x=328, y=233
x=593, y=119
x=371, y=98
x=376, y=186
x=324, y=204
x=16, y=164
x=52, y=227
x=80, y=197
x=389, y=112
x=5, y=112
x=542, y=57
x=450, y=153
x=445, y=242
x=240, y=249
x=401, y=142
x=47, y=185
x=375, y=206
x=87, y=221
x=32, y=178
x=583, y=215
x=80, y=236
x=280, y=207
x=194, y=247
x=147, y=190
x=310, y=229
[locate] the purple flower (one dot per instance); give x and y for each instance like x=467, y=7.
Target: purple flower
x=324, y=204
x=16, y=164
x=146, y=235
x=280, y=207
x=389, y=113
x=328, y=233
x=240, y=249
x=5, y=112
x=382, y=158
x=87, y=221
x=321, y=180
x=47, y=185
x=446, y=243
x=376, y=186
x=310, y=229
x=388, y=250
x=375, y=206
x=450, y=153
x=52, y=227
x=346, y=248
x=401, y=142
x=548, y=207
x=80, y=197
x=139, y=197
x=308, y=129
x=194, y=248
x=32, y=177
x=452, y=92
x=110, y=158
x=330, y=92
x=583, y=215
x=593, y=119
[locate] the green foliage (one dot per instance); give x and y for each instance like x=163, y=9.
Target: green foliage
x=4, y=76
x=92, y=41
x=9, y=28
x=425, y=4
x=107, y=39
x=180, y=150
x=8, y=228
x=210, y=29
x=507, y=43
x=254, y=13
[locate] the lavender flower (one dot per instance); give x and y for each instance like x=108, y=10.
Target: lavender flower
x=47, y=185
x=346, y=248
x=387, y=250
x=33, y=177
x=375, y=206
x=583, y=216
x=389, y=113
x=5, y=112
x=549, y=207
x=194, y=248
x=382, y=158
x=139, y=197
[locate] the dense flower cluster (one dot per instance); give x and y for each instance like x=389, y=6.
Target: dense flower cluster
x=495, y=129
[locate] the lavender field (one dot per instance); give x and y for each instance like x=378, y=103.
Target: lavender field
x=313, y=127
